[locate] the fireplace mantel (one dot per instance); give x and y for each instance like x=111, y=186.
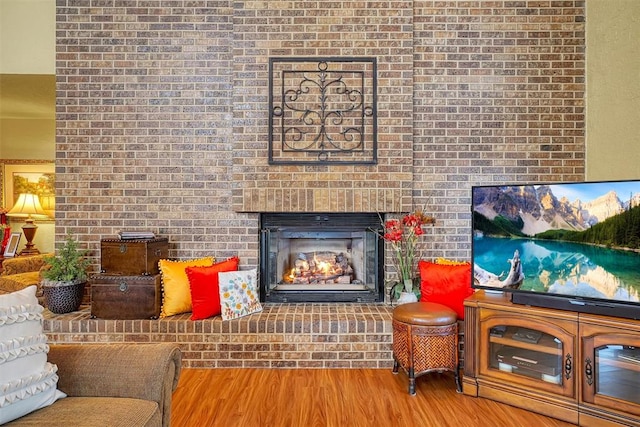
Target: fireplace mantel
x=324, y=196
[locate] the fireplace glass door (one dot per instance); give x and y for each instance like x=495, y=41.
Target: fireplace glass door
x=321, y=258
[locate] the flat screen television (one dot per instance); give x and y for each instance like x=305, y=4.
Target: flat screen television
x=572, y=246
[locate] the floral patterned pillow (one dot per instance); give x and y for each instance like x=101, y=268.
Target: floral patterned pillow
x=239, y=293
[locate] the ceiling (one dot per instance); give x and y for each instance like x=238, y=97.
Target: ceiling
x=27, y=96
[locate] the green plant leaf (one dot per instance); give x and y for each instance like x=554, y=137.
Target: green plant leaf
x=69, y=265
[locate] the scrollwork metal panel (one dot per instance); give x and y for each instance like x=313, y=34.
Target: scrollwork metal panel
x=322, y=111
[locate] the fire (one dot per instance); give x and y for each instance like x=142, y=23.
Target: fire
x=323, y=267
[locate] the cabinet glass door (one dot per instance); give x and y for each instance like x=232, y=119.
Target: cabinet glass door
x=616, y=372
x=611, y=364
x=526, y=352
x=521, y=352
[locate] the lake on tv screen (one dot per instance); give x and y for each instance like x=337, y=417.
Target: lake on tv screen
x=564, y=268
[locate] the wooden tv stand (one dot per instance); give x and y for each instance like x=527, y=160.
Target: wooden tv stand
x=580, y=368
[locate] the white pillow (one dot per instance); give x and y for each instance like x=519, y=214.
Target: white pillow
x=239, y=293
x=27, y=381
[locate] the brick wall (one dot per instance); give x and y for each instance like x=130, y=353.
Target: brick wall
x=323, y=28
x=162, y=111
x=498, y=98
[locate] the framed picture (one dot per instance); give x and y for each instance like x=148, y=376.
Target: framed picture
x=29, y=176
x=12, y=245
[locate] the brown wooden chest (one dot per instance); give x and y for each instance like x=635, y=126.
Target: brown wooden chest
x=132, y=257
x=126, y=297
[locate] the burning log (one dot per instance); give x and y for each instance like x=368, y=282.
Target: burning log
x=320, y=268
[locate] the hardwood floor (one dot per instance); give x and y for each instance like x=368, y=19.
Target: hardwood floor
x=334, y=398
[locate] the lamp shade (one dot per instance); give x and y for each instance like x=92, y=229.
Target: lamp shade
x=28, y=205
x=48, y=203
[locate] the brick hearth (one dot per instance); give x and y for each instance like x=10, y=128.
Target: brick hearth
x=281, y=336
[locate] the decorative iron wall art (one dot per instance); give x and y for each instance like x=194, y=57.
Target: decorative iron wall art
x=322, y=111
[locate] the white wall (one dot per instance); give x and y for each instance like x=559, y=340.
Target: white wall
x=27, y=46
x=27, y=36
x=613, y=89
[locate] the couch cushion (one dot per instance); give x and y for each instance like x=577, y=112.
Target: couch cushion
x=24, y=264
x=27, y=381
x=16, y=282
x=92, y=412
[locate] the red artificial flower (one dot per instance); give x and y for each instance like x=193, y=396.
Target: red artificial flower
x=403, y=235
x=392, y=224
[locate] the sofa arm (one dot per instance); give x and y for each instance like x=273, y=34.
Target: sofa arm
x=143, y=371
x=24, y=264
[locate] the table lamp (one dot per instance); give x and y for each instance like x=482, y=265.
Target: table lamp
x=28, y=206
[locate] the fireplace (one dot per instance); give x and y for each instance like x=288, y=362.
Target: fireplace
x=321, y=257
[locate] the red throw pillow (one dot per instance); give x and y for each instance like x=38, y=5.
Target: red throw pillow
x=205, y=288
x=448, y=285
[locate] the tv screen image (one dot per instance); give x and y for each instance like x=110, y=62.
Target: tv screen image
x=565, y=245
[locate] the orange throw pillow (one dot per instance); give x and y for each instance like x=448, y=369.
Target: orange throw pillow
x=176, y=296
x=448, y=285
x=205, y=288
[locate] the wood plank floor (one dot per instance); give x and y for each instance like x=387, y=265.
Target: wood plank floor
x=334, y=398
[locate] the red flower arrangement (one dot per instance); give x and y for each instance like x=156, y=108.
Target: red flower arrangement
x=5, y=230
x=404, y=234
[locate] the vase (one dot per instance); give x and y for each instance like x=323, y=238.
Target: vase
x=408, y=285
x=407, y=297
x=63, y=299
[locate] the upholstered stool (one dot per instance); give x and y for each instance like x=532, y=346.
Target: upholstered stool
x=425, y=339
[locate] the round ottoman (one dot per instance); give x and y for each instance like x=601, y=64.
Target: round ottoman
x=425, y=339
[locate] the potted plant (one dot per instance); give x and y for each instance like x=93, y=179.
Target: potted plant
x=63, y=282
x=403, y=235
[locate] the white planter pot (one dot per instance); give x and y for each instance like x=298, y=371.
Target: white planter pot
x=407, y=297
